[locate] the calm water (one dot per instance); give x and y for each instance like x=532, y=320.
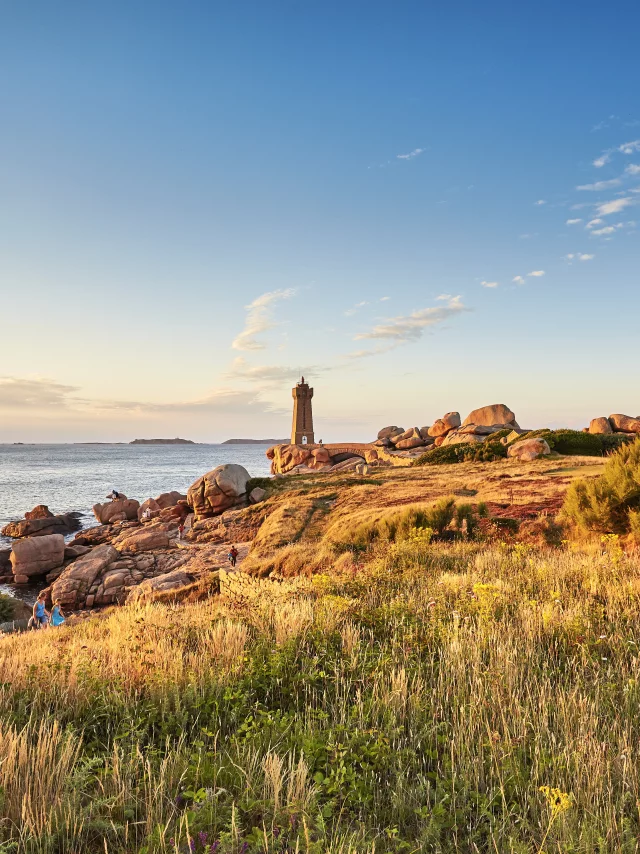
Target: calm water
x=75, y=477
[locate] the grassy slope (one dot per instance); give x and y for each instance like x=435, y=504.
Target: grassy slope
x=414, y=703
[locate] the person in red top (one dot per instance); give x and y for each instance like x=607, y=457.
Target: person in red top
x=233, y=555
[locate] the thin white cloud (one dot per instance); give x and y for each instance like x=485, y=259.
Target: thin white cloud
x=601, y=161
x=609, y=229
x=593, y=222
x=384, y=299
x=411, y=327
x=536, y=273
x=351, y=311
x=445, y=297
x=573, y=221
x=260, y=319
x=540, y=202
x=268, y=374
x=489, y=284
x=614, y=206
x=518, y=280
x=630, y=147
x=365, y=354
x=633, y=169
x=600, y=185
x=415, y=153
x=578, y=256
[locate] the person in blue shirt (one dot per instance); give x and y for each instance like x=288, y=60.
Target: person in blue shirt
x=40, y=613
x=57, y=617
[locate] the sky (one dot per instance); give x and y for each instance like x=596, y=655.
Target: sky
x=420, y=206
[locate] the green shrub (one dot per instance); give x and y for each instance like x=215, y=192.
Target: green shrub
x=609, y=503
x=478, y=453
x=6, y=608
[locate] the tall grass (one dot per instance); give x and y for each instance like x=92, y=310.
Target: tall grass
x=416, y=702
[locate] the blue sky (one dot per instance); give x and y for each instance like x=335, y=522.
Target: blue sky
x=200, y=200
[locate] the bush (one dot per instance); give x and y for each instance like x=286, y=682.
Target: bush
x=6, y=608
x=575, y=442
x=397, y=525
x=486, y=452
x=609, y=503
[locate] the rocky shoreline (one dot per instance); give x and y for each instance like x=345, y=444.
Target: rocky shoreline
x=135, y=552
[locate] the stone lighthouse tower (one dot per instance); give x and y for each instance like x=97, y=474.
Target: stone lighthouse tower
x=302, y=428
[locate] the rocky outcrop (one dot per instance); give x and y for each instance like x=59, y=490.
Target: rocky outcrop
x=528, y=449
x=496, y=413
x=390, y=432
x=120, y=510
x=218, y=490
x=74, y=584
x=600, y=426
x=165, y=501
x=105, y=575
x=40, y=511
x=36, y=556
x=143, y=540
x=458, y=437
x=148, y=589
x=5, y=563
x=410, y=442
x=624, y=423
x=42, y=526
x=257, y=494
x=450, y=421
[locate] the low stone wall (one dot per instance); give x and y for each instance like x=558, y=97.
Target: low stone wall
x=239, y=587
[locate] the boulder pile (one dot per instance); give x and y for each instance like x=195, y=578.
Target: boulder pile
x=614, y=424
x=450, y=429
x=40, y=522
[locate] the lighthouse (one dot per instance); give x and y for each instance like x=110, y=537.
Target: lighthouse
x=302, y=427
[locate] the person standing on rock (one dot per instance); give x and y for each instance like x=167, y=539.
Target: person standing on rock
x=233, y=555
x=113, y=495
x=57, y=617
x=40, y=613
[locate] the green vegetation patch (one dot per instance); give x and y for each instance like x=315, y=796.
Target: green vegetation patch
x=610, y=503
x=486, y=452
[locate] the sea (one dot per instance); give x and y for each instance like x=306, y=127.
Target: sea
x=75, y=477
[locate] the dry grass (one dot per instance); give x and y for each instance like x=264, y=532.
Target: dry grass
x=415, y=698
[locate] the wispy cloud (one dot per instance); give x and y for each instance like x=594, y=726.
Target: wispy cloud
x=625, y=148
x=384, y=299
x=630, y=147
x=518, y=280
x=601, y=161
x=269, y=374
x=593, y=222
x=260, y=319
x=600, y=185
x=411, y=327
x=633, y=169
x=37, y=393
x=366, y=354
x=599, y=232
x=614, y=206
x=489, y=284
x=579, y=256
x=536, y=273
x=540, y=202
x=415, y=153
x=573, y=221
x=350, y=311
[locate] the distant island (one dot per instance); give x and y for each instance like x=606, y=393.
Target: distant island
x=256, y=442
x=162, y=442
